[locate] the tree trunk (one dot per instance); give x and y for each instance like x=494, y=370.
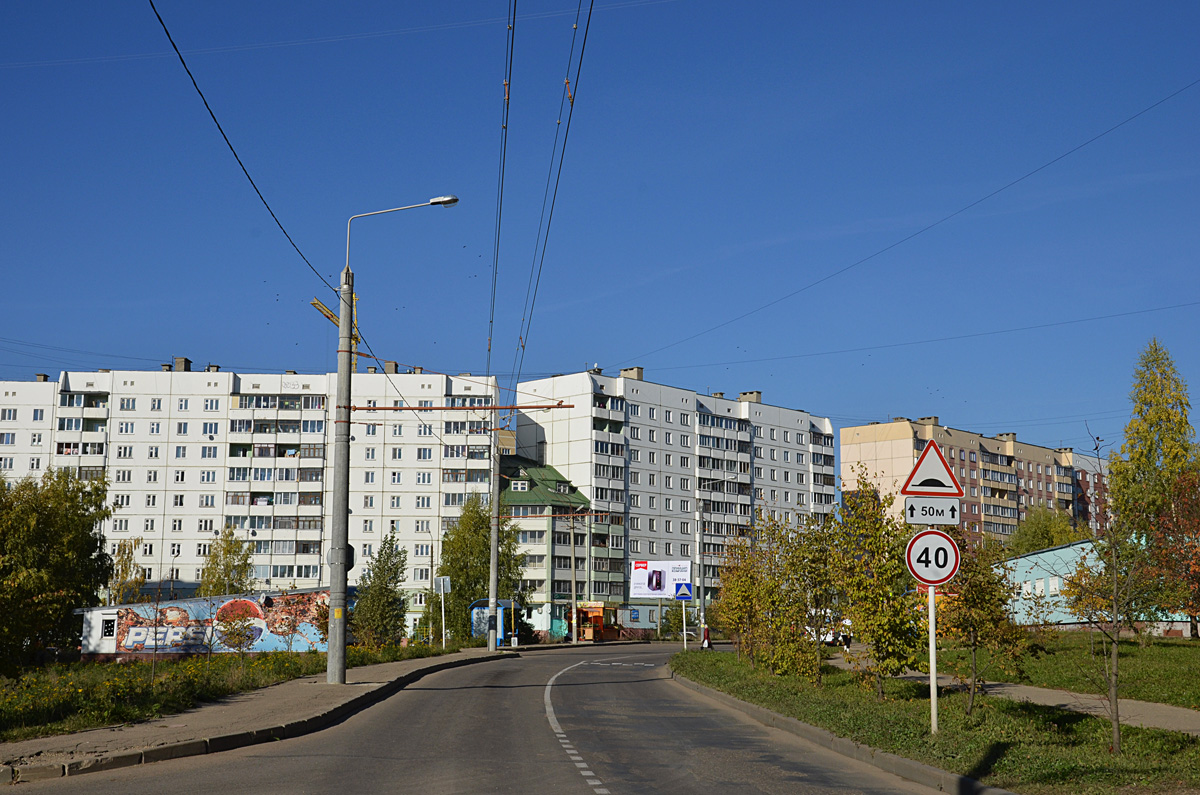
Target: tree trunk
x=1192, y=623
x=1113, y=703
x=879, y=686
x=974, y=673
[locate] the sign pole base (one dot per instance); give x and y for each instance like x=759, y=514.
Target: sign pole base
x=933, y=691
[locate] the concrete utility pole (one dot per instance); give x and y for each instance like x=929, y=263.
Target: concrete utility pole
x=335, y=668
x=494, y=563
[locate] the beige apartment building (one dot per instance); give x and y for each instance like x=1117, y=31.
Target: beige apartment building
x=1002, y=477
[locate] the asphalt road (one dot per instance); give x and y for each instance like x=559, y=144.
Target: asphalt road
x=612, y=721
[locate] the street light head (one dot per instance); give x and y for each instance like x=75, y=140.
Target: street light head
x=445, y=201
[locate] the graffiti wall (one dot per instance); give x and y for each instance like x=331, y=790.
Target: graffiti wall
x=273, y=623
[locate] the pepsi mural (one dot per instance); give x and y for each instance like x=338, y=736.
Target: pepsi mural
x=276, y=623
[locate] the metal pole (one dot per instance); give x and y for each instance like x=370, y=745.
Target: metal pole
x=699, y=578
x=574, y=588
x=683, y=610
x=335, y=668
x=494, y=542
x=443, y=601
x=933, y=700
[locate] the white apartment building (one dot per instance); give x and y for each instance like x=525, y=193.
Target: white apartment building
x=676, y=468
x=187, y=453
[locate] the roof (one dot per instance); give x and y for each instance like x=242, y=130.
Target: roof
x=543, y=482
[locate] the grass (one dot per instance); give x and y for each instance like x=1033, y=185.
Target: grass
x=60, y=699
x=1017, y=746
x=1164, y=672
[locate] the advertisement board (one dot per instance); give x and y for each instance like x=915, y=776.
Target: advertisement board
x=190, y=625
x=656, y=579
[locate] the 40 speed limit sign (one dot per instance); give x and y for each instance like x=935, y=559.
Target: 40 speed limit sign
x=932, y=557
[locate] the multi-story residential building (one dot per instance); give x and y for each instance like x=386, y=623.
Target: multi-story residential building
x=188, y=453
x=674, y=471
x=1002, y=477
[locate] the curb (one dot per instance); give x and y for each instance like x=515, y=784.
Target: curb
x=917, y=772
x=228, y=742
x=583, y=645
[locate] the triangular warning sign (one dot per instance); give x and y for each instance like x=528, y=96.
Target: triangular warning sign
x=932, y=476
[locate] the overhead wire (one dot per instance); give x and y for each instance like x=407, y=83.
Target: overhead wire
x=569, y=98
x=923, y=229
x=508, y=64
x=236, y=157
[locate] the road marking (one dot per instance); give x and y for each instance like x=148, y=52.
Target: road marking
x=567, y=746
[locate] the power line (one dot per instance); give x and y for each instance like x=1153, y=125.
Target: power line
x=220, y=129
x=531, y=300
x=508, y=64
x=922, y=230
x=972, y=335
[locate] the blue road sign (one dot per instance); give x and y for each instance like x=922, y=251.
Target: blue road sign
x=683, y=591
x=634, y=614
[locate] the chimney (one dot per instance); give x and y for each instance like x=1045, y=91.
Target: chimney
x=372, y=370
x=166, y=368
x=464, y=375
x=750, y=397
x=418, y=370
x=103, y=370
x=927, y=421
x=183, y=364
x=42, y=377
x=212, y=368
x=718, y=395
x=634, y=373
x=390, y=368
x=289, y=372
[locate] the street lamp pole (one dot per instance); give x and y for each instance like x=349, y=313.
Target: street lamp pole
x=339, y=551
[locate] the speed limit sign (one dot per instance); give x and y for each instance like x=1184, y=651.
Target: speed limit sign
x=932, y=557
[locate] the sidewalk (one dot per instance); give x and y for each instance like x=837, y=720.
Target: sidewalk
x=1146, y=714
x=288, y=709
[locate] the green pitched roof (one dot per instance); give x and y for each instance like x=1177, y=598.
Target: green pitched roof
x=543, y=489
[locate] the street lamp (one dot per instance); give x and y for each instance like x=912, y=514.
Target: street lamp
x=339, y=552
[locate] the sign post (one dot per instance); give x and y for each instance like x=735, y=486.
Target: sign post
x=932, y=558
x=441, y=585
x=683, y=593
x=931, y=497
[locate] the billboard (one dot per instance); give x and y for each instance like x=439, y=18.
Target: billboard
x=656, y=579
x=190, y=625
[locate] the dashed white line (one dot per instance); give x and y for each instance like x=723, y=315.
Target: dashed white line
x=567, y=746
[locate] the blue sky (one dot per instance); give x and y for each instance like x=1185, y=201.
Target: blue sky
x=721, y=157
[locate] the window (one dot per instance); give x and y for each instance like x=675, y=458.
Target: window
x=35, y=439
x=421, y=526
x=147, y=550
x=368, y=477
x=39, y=415
x=424, y=430
x=183, y=404
x=372, y=429
x=212, y=404
x=423, y=501
x=370, y=453
x=128, y=404
x=424, y=454
x=209, y=428
x=424, y=478
x=156, y=404
x=520, y=485
x=180, y=451
x=207, y=501
x=368, y=527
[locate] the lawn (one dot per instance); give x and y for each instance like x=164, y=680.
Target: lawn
x=59, y=699
x=1165, y=672
x=1017, y=746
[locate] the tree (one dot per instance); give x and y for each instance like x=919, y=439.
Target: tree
x=1158, y=445
x=739, y=603
x=1043, y=528
x=976, y=613
x=379, y=611
x=466, y=559
x=1119, y=584
x=1176, y=541
x=52, y=561
x=125, y=584
x=228, y=569
x=882, y=604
